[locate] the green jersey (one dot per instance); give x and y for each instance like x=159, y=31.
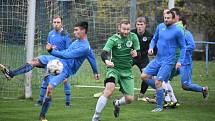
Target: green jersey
x=121, y=48
x=181, y=27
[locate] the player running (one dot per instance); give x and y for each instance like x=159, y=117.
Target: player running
x=186, y=68
x=167, y=38
x=123, y=46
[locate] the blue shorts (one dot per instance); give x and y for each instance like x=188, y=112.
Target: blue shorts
x=54, y=81
x=162, y=71
x=186, y=74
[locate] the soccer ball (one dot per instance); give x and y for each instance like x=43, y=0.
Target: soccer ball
x=54, y=67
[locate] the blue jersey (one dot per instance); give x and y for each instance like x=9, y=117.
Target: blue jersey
x=92, y=60
x=168, y=39
x=190, y=45
x=75, y=55
x=61, y=40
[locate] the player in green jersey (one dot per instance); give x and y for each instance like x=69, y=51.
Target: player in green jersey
x=123, y=47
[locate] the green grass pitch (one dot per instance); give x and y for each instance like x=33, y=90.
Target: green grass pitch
x=192, y=107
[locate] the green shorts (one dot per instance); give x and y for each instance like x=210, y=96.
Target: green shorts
x=124, y=78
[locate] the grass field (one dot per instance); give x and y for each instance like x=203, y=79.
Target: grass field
x=192, y=108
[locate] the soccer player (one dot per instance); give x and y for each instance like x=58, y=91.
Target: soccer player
x=61, y=40
x=123, y=47
x=167, y=37
x=74, y=56
x=170, y=98
x=186, y=68
x=142, y=60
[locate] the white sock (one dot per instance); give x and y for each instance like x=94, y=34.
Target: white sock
x=121, y=101
x=171, y=93
x=102, y=101
x=167, y=96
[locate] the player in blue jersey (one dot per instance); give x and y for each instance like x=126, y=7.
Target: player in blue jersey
x=186, y=68
x=170, y=98
x=168, y=38
x=61, y=40
x=74, y=56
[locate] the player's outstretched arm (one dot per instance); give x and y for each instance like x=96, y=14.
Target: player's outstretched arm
x=70, y=52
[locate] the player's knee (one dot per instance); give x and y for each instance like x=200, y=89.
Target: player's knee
x=49, y=90
x=34, y=62
x=158, y=84
x=109, y=88
x=129, y=99
x=108, y=92
x=65, y=81
x=144, y=77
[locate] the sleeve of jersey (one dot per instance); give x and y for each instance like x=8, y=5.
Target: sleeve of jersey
x=109, y=45
x=92, y=60
x=70, y=52
x=136, y=42
x=182, y=46
x=154, y=39
x=190, y=41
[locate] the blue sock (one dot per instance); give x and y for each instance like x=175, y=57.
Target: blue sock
x=159, y=97
x=43, y=88
x=67, y=91
x=195, y=87
x=21, y=70
x=45, y=106
x=151, y=83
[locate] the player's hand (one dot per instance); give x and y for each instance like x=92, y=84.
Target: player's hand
x=97, y=76
x=150, y=52
x=49, y=47
x=133, y=53
x=109, y=63
x=178, y=65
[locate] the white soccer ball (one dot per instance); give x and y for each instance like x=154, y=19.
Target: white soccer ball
x=54, y=67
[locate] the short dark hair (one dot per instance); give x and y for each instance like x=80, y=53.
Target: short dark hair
x=141, y=19
x=170, y=12
x=184, y=21
x=176, y=10
x=82, y=25
x=58, y=16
